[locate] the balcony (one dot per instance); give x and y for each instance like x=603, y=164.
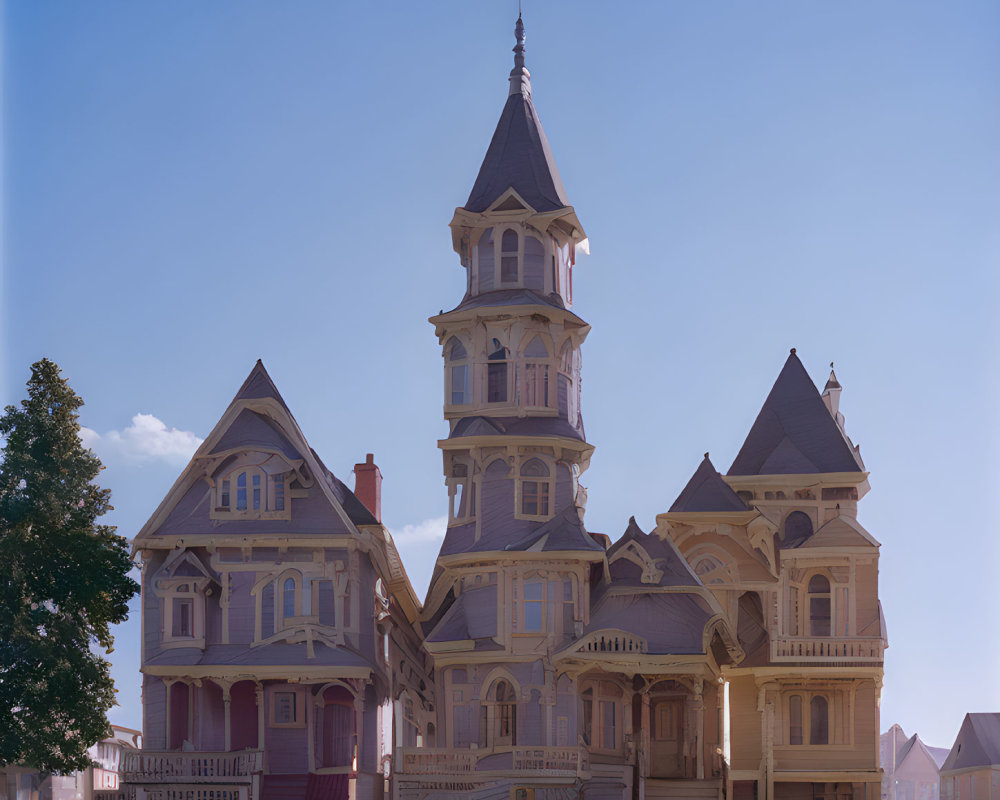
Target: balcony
x=145, y=767
x=552, y=761
x=827, y=648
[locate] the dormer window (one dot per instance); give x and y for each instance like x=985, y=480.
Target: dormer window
x=509, y=257
x=819, y=606
x=249, y=491
x=181, y=584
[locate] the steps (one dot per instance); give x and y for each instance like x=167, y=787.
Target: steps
x=670, y=789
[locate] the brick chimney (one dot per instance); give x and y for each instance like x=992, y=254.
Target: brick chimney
x=368, y=485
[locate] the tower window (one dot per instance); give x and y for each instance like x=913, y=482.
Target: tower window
x=535, y=488
x=534, y=606
x=458, y=373
x=288, y=598
x=509, y=257
x=534, y=387
x=462, y=501
x=496, y=374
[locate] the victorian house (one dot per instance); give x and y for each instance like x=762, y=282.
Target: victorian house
x=279, y=657
x=735, y=650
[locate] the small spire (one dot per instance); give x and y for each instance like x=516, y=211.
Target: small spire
x=520, y=78
x=792, y=351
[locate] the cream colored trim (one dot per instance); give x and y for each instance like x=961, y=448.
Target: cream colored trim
x=821, y=479
x=285, y=672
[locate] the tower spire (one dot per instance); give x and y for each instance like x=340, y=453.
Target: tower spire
x=520, y=78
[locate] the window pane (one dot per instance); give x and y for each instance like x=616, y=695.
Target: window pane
x=819, y=728
x=795, y=720
x=288, y=598
x=224, y=501
x=496, y=383
x=460, y=385
x=608, y=709
x=284, y=708
x=819, y=616
x=256, y=492
x=182, y=618
x=279, y=492
x=241, y=492
x=532, y=616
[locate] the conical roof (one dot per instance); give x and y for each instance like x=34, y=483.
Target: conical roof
x=794, y=432
x=519, y=155
x=706, y=491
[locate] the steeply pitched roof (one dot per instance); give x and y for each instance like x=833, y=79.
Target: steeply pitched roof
x=663, y=557
x=706, y=491
x=564, y=531
x=472, y=616
x=794, y=432
x=514, y=426
x=840, y=531
x=977, y=743
x=519, y=155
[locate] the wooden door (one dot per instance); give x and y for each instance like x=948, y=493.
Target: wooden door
x=667, y=740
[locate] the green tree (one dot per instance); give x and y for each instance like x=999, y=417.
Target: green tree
x=64, y=579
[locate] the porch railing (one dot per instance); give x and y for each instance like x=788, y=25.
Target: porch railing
x=534, y=760
x=192, y=767
x=826, y=648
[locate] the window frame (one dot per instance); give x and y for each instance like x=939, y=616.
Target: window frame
x=810, y=596
x=460, y=512
x=599, y=702
x=298, y=692
x=545, y=485
x=451, y=364
x=806, y=699
x=503, y=254
x=272, y=488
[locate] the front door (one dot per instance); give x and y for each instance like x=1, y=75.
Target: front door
x=667, y=740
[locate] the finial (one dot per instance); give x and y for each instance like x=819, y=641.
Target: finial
x=792, y=351
x=831, y=365
x=519, y=76
x=706, y=455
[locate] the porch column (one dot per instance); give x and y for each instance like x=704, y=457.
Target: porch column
x=259, y=692
x=644, y=740
x=169, y=687
x=699, y=728
x=630, y=742
x=359, y=719
x=227, y=700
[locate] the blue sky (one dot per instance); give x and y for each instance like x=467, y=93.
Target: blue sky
x=189, y=187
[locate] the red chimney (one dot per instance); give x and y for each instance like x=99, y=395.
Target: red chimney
x=368, y=485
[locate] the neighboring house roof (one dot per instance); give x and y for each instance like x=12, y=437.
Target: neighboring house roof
x=706, y=491
x=794, y=432
x=514, y=426
x=519, y=155
x=977, y=743
x=840, y=531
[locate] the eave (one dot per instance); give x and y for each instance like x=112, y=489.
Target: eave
x=551, y=313
x=741, y=518
x=289, y=673
x=801, y=480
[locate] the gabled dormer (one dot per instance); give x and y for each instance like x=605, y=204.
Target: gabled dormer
x=181, y=583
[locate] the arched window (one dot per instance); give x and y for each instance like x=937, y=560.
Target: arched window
x=534, y=264
x=338, y=727
x=534, y=381
x=819, y=606
x=798, y=528
x=458, y=372
x=505, y=717
x=288, y=598
x=819, y=720
x=496, y=374
x=509, y=246
x=485, y=260
x=256, y=493
x=795, y=719
x=461, y=497
x=535, y=488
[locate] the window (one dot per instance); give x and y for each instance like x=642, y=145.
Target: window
x=601, y=708
x=250, y=492
x=460, y=493
x=496, y=374
x=288, y=598
x=506, y=714
x=819, y=606
x=183, y=615
x=288, y=708
x=535, y=488
x=809, y=714
x=509, y=246
x=534, y=606
x=795, y=719
x=819, y=720
x=798, y=528
x=534, y=382
x=458, y=373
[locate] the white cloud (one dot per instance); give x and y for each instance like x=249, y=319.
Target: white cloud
x=146, y=439
x=430, y=530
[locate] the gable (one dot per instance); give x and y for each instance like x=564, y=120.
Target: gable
x=840, y=531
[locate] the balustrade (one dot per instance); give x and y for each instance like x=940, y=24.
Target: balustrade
x=534, y=760
x=192, y=767
x=786, y=648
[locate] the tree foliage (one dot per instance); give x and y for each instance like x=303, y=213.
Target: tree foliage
x=64, y=580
